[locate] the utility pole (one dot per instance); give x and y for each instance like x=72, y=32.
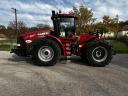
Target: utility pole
x=16, y=29
x=117, y=18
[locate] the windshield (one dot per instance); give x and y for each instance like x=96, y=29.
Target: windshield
x=67, y=26
x=67, y=22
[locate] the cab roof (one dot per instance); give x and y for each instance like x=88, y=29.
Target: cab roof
x=68, y=15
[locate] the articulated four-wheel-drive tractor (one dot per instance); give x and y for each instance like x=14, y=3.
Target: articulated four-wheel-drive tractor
x=47, y=47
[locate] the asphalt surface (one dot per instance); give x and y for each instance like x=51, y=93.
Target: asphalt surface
x=19, y=77
x=121, y=60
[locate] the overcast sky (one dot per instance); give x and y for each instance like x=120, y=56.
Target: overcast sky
x=33, y=12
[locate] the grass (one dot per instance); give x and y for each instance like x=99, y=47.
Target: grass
x=7, y=41
x=4, y=47
x=5, y=44
x=120, y=47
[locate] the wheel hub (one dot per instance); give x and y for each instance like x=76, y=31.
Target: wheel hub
x=99, y=54
x=45, y=53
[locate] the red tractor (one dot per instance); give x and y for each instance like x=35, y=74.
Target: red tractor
x=46, y=47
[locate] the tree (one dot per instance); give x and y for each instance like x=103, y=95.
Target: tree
x=122, y=24
x=74, y=11
x=106, y=22
x=42, y=26
x=99, y=27
x=110, y=24
x=3, y=30
x=31, y=29
x=21, y=26
x=85, y=21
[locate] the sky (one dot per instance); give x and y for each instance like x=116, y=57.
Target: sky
x=33, y=12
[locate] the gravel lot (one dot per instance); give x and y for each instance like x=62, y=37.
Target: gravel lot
x=19, y=77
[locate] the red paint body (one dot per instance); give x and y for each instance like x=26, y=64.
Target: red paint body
x=64, y=42
x=47, y=46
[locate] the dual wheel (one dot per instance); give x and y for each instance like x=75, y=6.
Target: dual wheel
x=97, y=53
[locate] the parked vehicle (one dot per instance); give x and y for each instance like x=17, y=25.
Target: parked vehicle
x=46, y=48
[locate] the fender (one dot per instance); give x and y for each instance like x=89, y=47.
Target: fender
x=58, y=42
x=84, y=39
x=47, y=36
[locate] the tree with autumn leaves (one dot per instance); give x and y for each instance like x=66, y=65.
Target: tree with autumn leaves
x=110, y=24
x=85, y=21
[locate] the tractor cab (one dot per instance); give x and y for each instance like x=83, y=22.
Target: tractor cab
x=64, y=30
x=64, y=24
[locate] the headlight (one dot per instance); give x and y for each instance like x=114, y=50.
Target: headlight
x=28, y=41
x=18, y=44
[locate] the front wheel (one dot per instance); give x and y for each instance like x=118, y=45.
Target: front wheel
x=98, y=53
x=46, y=53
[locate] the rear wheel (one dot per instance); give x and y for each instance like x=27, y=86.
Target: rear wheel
x=98, y=53
x=46, y=53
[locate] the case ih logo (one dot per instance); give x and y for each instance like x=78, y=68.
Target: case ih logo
x=43, y=33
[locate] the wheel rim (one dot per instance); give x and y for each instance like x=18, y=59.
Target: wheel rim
x=99, y=54
x=45, y=53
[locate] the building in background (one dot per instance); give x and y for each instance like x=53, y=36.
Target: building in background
x=3, y=37
x=109, y=34
x=124, y=31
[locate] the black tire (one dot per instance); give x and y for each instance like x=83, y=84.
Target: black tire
x=45, y=58
x=97, y=53
x=83, y=57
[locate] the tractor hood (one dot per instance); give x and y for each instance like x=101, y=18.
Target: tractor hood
x=32, y=36
x=36, y=33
